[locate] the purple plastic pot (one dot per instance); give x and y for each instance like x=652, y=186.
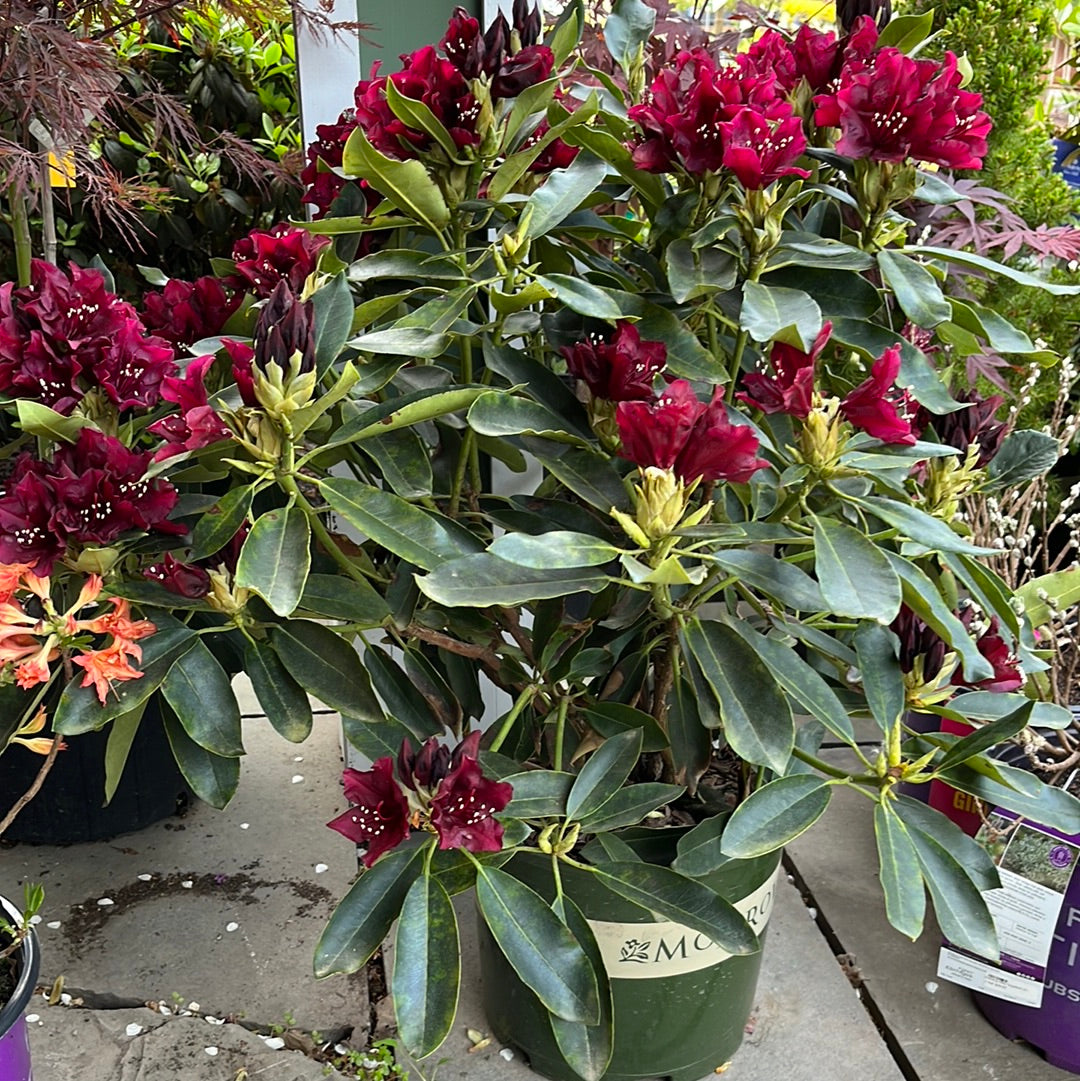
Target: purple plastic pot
x=1053, y=1027
x=14, y=1040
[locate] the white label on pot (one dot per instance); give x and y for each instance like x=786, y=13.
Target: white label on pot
x=978, y=975
x=651, y=951
x=1036, y=866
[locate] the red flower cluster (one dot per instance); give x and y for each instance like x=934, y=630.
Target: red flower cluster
x=282, y=253
x=493, y=53
x=92, y=492
x=324, y=155
x=813, y=55
x=878, y=408
x=192, y=580
x=890, y=107
x=677, y=431
x=424, y=77
x=437, y=790
x=703, y=118
x=186, y=312
x=875, y=406
x=918, y=640
x=619, y=370
x=506, y=56
x=65, y=334
x=196, y=424
x=791, y=389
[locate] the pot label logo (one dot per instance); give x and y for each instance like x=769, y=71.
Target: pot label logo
x=651, y=951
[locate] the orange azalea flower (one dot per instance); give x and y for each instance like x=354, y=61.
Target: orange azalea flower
x=15, y=647
x=105, y=666
x=118, y=622
x=26, y=733
x=35, y=669
x=10, y=574
x=38, y=585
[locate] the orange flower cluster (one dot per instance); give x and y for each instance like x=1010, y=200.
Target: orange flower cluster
x=30, y=643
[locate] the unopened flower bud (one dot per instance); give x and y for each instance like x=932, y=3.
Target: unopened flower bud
x=819, y=441
x=567, y=841
x=661, y=502
x=224, y=596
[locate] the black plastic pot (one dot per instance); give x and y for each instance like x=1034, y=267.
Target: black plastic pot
x=680, y=1004
x=70, y=807
x=14, y=1042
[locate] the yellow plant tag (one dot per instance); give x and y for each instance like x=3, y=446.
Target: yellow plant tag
x=62, y=169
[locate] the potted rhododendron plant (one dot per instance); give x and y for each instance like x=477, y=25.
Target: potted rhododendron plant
x=614, y=413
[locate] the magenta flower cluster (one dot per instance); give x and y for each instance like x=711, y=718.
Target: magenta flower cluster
x=701, y=117
x=91, y=493
x=65, y=335
x=439, y=790
x=505, y=58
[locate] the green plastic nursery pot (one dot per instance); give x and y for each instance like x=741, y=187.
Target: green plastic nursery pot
x=680, y=1003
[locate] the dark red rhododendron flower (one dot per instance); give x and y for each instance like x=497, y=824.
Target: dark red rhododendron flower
x=718, y=449
x=890, y=107
x=379, y=815
x=282, y=253
x=877, y=407
x=92, y=492
x=186, y=312
x=435, y=789
x=791, y=389
x=525, y=68
x=192, y=580
x=677, y=431
x=184, y=579
x=323, y=186
x=196, y=425
x=1006, y=665
x=686, y=108
x=464, y=807
x=425, y=77
x=759, y=152
x=619, y=370
x=65, y=334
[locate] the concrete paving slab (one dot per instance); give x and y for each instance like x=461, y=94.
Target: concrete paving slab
x=938, y=1027
x=221, y=907
x=808, y=1023
x=70, y=1044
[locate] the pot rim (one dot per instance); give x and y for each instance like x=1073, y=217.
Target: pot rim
x=30, y=953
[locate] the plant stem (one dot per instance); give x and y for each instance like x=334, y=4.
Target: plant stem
x=20, y=228
x=33, y=790
x=560, y=730
x=523, y=700
x=468, y=445
x=835, y=771
x=736, y=361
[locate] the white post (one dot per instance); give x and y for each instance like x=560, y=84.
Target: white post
x=493, y=7
x=327, y=66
